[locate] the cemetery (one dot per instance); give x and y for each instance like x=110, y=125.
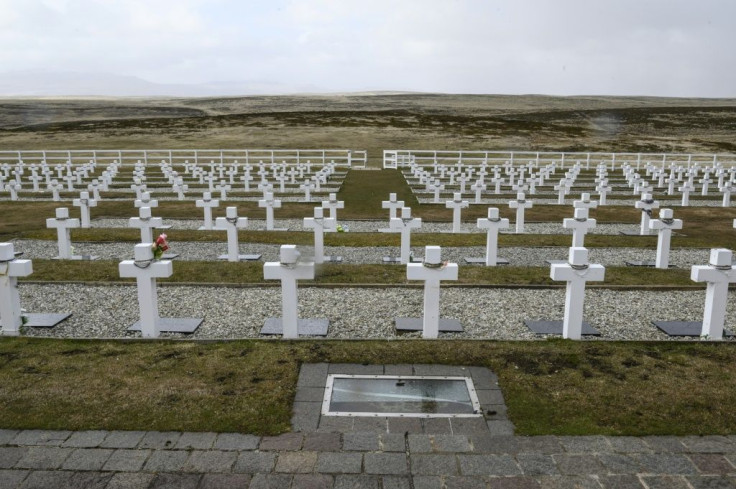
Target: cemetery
x=550, y=267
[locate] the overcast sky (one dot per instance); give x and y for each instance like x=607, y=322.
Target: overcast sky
x=566, y=47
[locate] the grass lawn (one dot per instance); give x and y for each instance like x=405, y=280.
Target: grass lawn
x=551, y=387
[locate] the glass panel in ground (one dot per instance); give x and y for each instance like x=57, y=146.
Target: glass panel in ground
x=418, y=396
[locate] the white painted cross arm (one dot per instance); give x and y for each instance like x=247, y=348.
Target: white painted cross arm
x=10, y=270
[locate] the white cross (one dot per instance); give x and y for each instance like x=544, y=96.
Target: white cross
x=671, y=181
x=457, y=204
x=392, y=204
x=63, y=226
x=520, y=204
x=333, y=204
x=69, y=182
x=646, y=204
x=94, y=187
x=602, y=190
x=478, y=187
x=320, y=224
x=246, y=180
x=307, y=186
x=686, y=188
x=84, y=203
x=208, y=203
x=664, y=226
x=146, y=270
x=35, y=178
x=404, y=225
x=718, y=274
x=223, y=189
x=497, y=181
x=493, y=224
x=179, y=187
x=281, y=177
x=55, y=187
x=562, y=189
x=10, y=270
x=580, y=225
x=13, y=188
x=145, y=201
x=231, y=223
x=705, y=181
x=727, y=189
x=138, y=188
x=145, y=223
x=289, y=270
x=437, y=187
x=576, y=273
x=431, y=271
x=270, y=204
x=584, y=202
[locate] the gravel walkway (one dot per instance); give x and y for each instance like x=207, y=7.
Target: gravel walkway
x=105, y=311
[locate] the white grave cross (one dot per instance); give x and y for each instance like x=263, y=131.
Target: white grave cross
x=646, y=204
x=404, y=225
x=84, y=203
x=231, y=223
x=520, y=204
x=493, y=224
x=320, y=224
x=270, y=204
x=208, y=203
x=718, y=274
x=580, y=225
x=63, y=226
x=664, y=226
x=432, y=270
x=10, y=270
x=457, y=204
x=145, y=223
x=289, y=270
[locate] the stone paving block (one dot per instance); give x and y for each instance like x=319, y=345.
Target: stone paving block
x=323, y=442
x=712, y=463
x=663, y=463
x=490, y=396
x=85, y=439
x=618, y=463
x=48, y=438
x=126, y=460
x=392, y=442
x=355, y=369
x=628, y=444
x=312, y=481
x=494, y=411
x=196, y=441
x=461, y=482
x=134, y=480
x=341, y=424
x=9, y=456
x=500, y=427
x=166, y=461
x=570, y=464
x=396, y=482
x=433, y=464
x=160, y=439
x=6, y=436
x=513, y=483
x=236, y=441
x=468, y=426
x=87, y=459
x=48, y=479
x=433, y=369
x=385, y=463
x=665, y=444
x=434, y=426
x=255, y=462
x=539, y=444
x=122, y=439
x=585, y=444
x=404, y=425
x=451, y=443
x=537, y=464
x=568, y=482
x=483, y=378
x=312, y=375
x=360, y=441
x=210, y=461
x=270, y=481
x=10, y=479
x=287, y=441
x=487, y=443
x=376, y=425
x=398, y=369
x=711, y=482
x=357, y=482
x=708, y=444
x=43, y=458
x=90, y=480
x=175, y=481
x=339, y=463
x=427, y=482
x=419, y=443
x=496, y=465
x=224, y=481
x=620, y=482
x=306, y=421
x=665, y=482
x=296, y=462
x=310, y=394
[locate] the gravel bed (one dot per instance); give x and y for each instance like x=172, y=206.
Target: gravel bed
x=106, y=311
x=518, y=256
x=662, y=202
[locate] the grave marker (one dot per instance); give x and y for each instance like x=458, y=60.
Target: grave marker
x=520, y=204
x=231, y=223
x=457, y=204
x=270, y=204
x=493, y=224
x=207, y=203
x=404, y=225
x=320, y=224
x=580, y=225
x=84, y=203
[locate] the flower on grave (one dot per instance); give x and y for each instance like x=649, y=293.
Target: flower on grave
x=342, y=229
x=159, y=246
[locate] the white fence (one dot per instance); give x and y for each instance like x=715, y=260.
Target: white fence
x=396, y=158
x=341, y=157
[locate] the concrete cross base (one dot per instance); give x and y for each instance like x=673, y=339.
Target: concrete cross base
x=645, y=264
x=555, y=327
x=333, y=259
x=482, y=261
x=45, y=320
x=78, y=257
x=416, y=324
x=305, y=327
x=173, y=325
x=683, y=328
x=241, y=257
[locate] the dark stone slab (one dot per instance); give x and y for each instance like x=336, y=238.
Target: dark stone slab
x=241, y=257
x=333, y=259
x=482, y=261
x=415, y=324
x=169, y=256
x=38, y=320
x=555, y=262
x=391, y=259
x=555, y=327
x=305, y=327
x=683, y=328
x=173, y=325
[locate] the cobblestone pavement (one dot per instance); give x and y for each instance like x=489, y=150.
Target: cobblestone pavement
x=138, y=459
